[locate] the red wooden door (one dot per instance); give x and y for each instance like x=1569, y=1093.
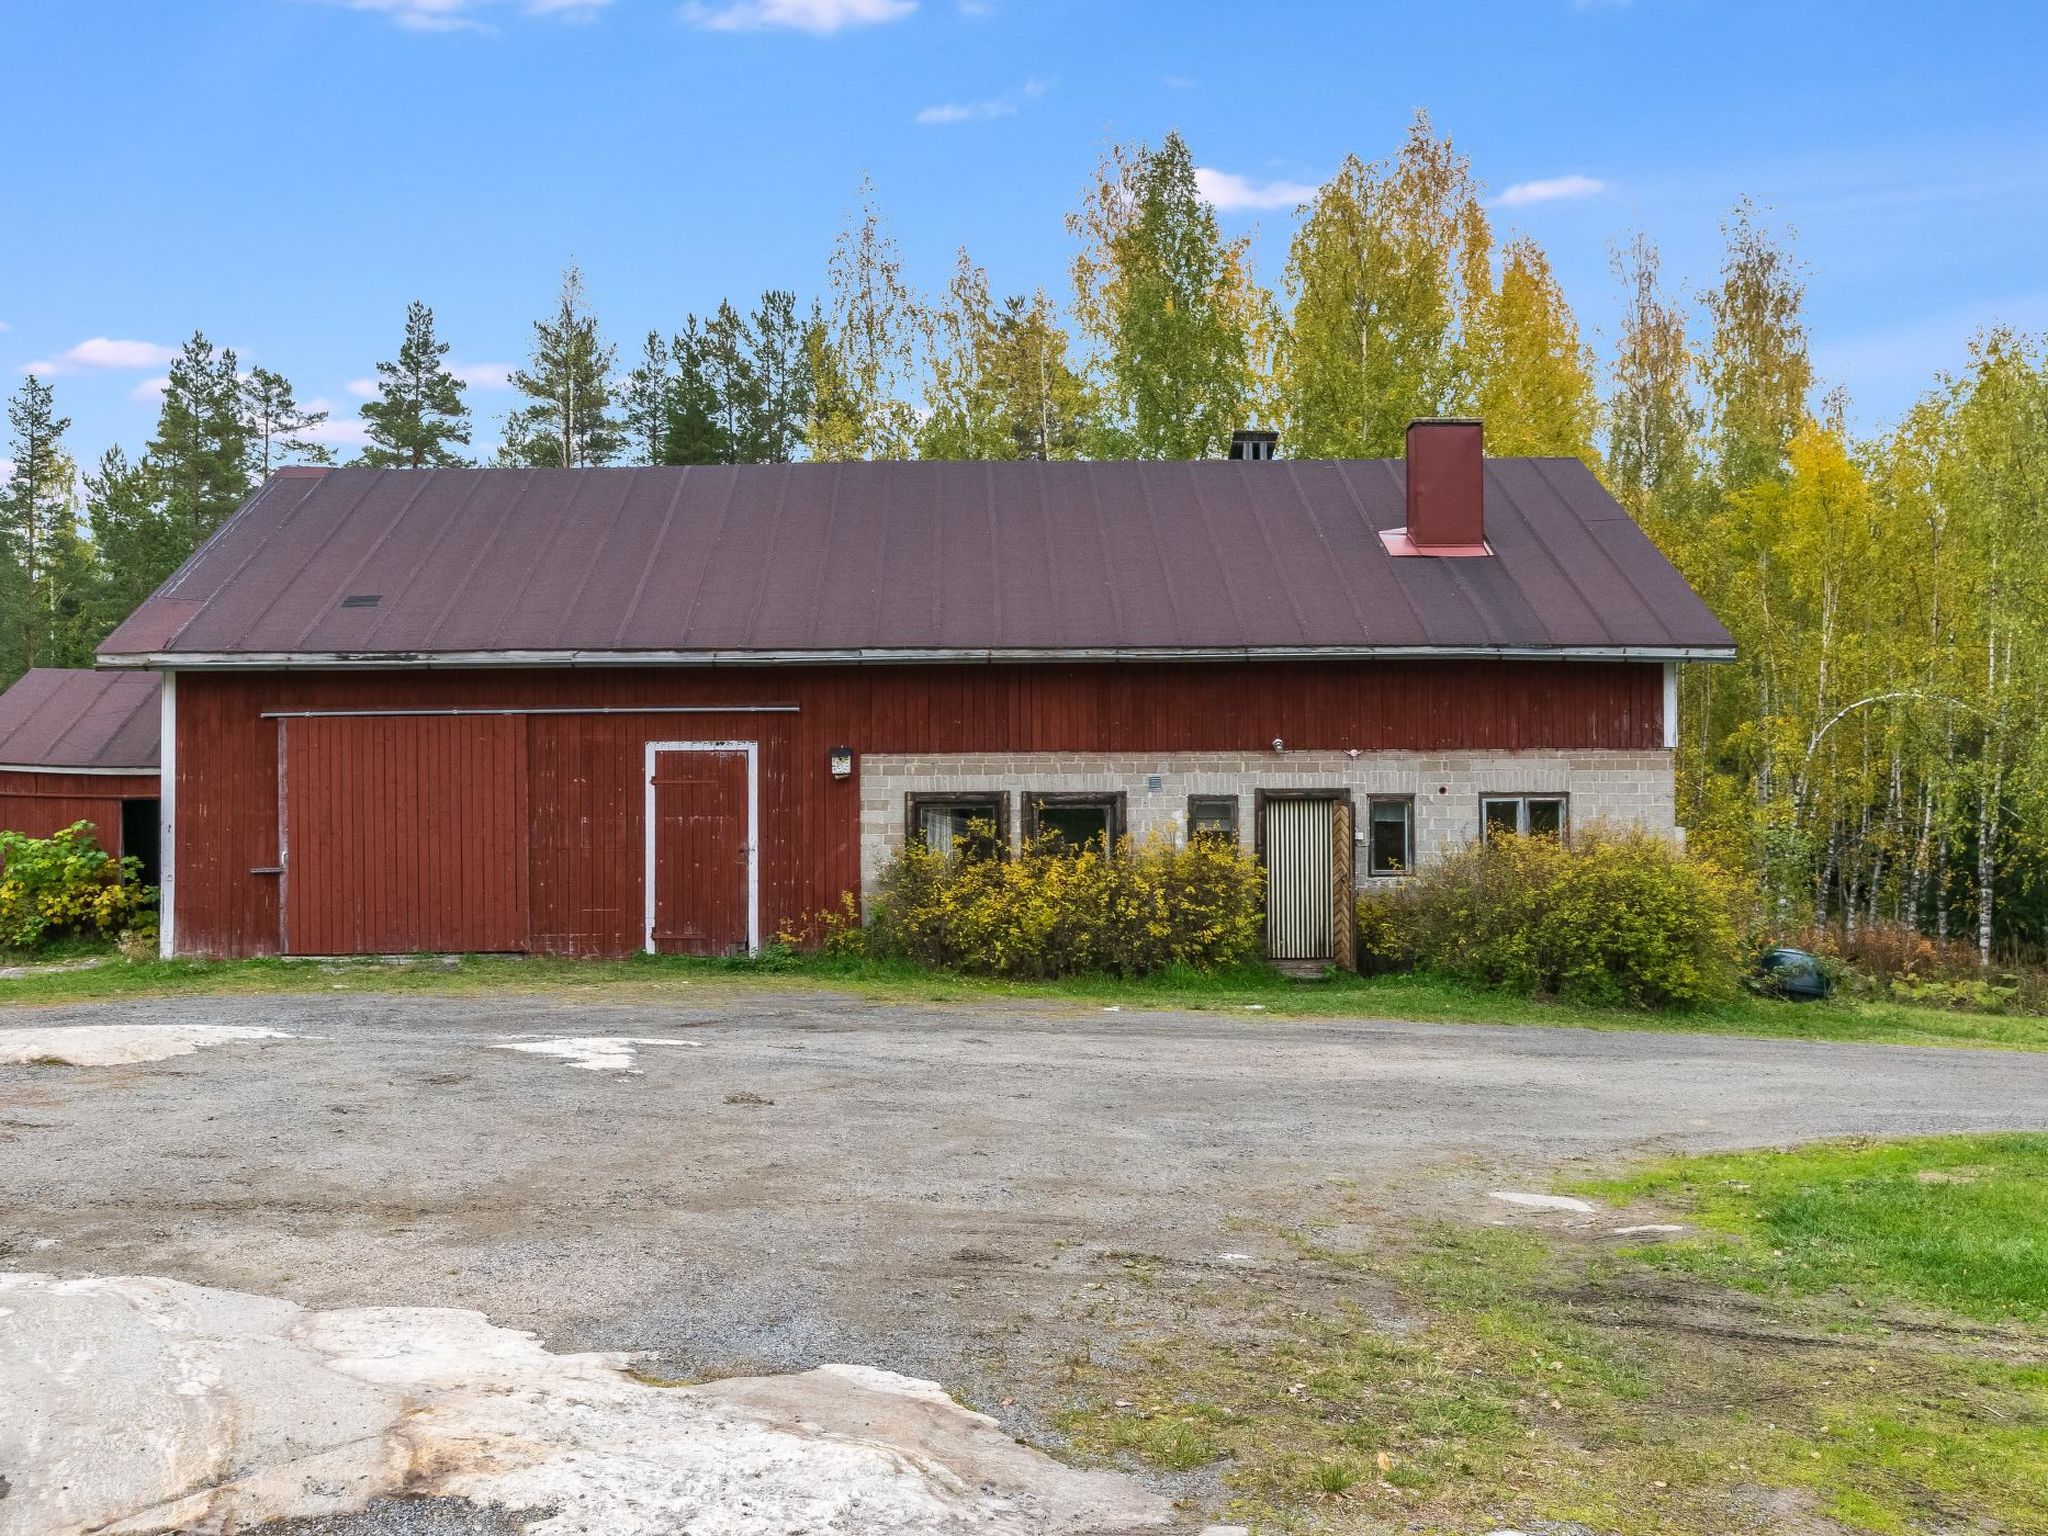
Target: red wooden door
x=700, y=855
x=404, y=834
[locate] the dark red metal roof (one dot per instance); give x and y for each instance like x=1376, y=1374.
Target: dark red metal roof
x=900, y=560
x=58, y=719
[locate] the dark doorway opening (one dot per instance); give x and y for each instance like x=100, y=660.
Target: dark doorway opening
x=139, y=837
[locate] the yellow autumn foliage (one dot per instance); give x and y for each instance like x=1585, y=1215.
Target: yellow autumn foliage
x=1055, y=911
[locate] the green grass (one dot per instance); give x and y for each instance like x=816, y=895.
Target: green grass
x=1959, y=1223
x=1251, y=991
x=1832, y=1362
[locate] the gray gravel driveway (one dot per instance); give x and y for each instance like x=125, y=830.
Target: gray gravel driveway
x=825, y=1178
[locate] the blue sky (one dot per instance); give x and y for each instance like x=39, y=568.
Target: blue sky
x=287, y=174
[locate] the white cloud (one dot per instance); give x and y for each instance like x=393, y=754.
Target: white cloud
x=467, y=15
x=1552, y=189
x=103, y=352
x=946, y=113
x=3, y=325
x=6, y=470
x=483, y=375
x=340, y=432
x=1229, y=193
x=818, y=17
x=362, y=389
x=150, y=390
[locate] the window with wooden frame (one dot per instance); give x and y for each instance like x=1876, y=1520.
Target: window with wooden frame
x=1075, y=821
x=1523, y=815
x=965, y=825
x=1212, y=816
x=1390, y=835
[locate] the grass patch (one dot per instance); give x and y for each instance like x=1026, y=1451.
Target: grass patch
x=1253, y=991
x=1954, y=1222
x=1458, y=1379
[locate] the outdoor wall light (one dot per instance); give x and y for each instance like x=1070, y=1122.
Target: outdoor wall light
x=1279, y=745
x=842, y=762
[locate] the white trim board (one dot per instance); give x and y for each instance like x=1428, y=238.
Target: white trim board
x=167, y=823
x=752, y=750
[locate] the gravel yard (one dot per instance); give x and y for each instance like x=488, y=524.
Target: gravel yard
x=748, y=1183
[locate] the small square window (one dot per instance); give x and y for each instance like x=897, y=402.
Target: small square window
x=966, y=826
x=1544, y=818
x=1074, y=822
x=1212, y=816
x=1390, y=837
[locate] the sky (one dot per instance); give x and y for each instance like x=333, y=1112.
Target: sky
x=286, y=175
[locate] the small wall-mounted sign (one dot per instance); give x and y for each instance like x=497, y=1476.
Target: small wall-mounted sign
x=842, y=762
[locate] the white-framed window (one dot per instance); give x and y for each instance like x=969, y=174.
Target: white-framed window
x=1389, y=835
x=1524, y=815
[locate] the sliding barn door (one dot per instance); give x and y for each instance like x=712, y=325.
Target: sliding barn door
x=403, y=834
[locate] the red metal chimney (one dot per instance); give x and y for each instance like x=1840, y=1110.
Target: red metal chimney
x=1446, y=491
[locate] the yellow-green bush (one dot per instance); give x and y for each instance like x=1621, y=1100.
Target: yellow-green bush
x=1055, y=911
x=66, y=885
x=1611, y=917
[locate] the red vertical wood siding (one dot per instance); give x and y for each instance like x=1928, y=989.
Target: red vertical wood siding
x=405, y=834
x=37, y=804
x=584, y=773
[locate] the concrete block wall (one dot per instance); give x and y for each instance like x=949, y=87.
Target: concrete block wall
x=1612, y=786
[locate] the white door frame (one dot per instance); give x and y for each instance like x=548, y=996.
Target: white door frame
x=753, y=843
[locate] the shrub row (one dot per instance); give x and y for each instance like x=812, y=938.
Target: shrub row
x=65, y=886
x=1054, y=911
x=1611, y=917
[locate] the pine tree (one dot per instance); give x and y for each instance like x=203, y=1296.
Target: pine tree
x=1178, y=323
x=569, y=423
x=199, y=457
x=733, y=372
x=36, y=514
x=133, y=535
x=278, y=424
x=782, y=364
x=1390, y=277
x=647, y=399
x=1535, y=387
x=419, y=419
x=693, y=434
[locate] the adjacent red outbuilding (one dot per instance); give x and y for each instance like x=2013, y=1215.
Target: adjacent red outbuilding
x=82, y=746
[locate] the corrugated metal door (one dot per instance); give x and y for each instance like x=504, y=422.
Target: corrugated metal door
x=1299, y=861
x=700, y=852
x=404, y=833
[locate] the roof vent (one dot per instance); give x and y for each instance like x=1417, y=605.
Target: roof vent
x=362, y=600
x=1446, y=491
x=1252, y=443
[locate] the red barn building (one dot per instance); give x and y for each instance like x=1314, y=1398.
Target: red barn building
x=82, y=746
x=680, y=709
